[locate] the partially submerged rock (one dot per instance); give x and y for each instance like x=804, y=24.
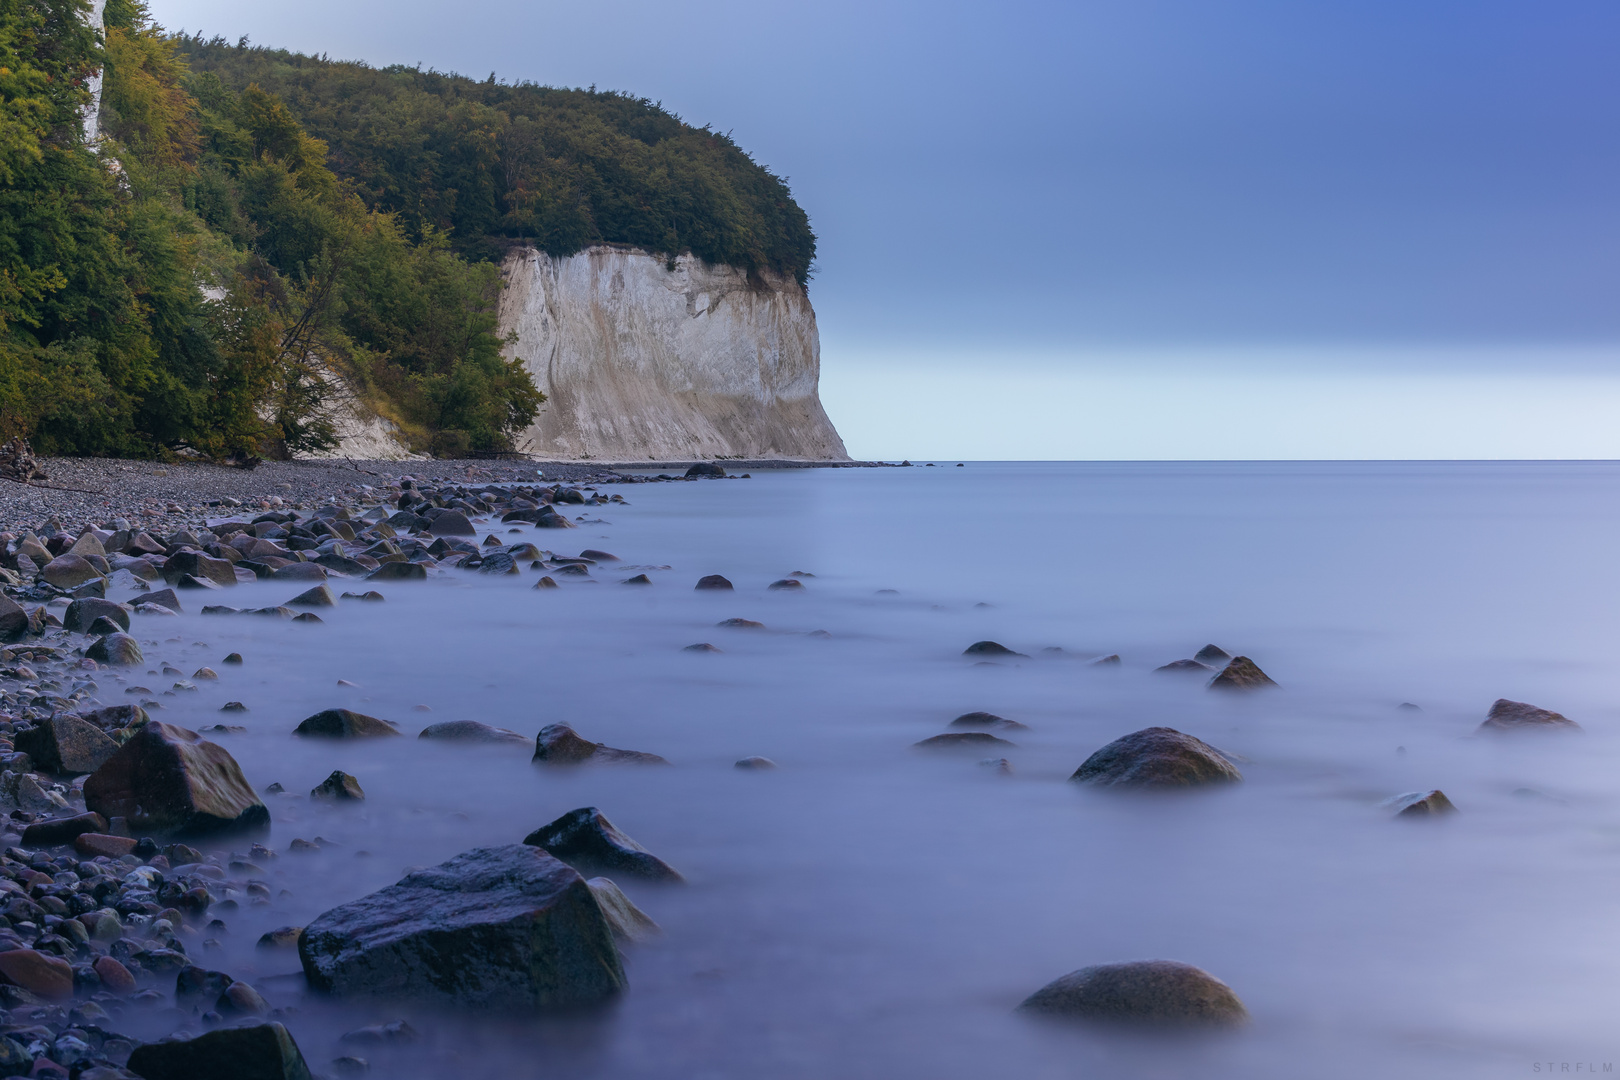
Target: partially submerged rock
x=713, y=581
x=1508, y=715
x=626, y=920
x=319, y=596
x=499, y=927
x=120, y=650
x=1416, y=804
x=1157, y=757
x=987, y=721
x=559, y=744
x=990, y=648
x=167, y=779
x=964, y=740
x=585, y=839
x=756, y=764
x=1241, y=674
x=339, y=787
x=1156, y=993
x=344, y=724
x=1213, y=655
x=260, y=1052
x=1183, y=667
x=470, y=731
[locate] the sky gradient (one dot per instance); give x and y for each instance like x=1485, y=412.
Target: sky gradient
x=1366, y=226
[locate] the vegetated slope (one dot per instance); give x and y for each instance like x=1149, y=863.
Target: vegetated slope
x=490, y=163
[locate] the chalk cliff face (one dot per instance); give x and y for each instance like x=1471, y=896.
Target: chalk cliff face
x=641, y=362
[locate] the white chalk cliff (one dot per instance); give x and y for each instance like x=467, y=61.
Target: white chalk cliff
x=640, y=362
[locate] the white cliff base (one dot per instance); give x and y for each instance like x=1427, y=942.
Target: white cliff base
x=640, y=362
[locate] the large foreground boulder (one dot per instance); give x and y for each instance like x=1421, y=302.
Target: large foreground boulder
x=66, y=745
x=587, y=840
x=559, y=744
x=261, y=1052
x=344, y=724
x=1143, y=992
x=167, y=779
x=506, y=927
x=1157, y=757
x=1508, y=715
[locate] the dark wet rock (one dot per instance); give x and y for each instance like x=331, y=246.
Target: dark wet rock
x=282, y=937
x=69, y=571
x=713, y=581
x=233, y=706
x=1241, y=674
x=756, y=764
x=706, y=468
x=118, y=649
x=166, y=779
x=786, y=585
x=62, y=830
x=339, y=787
x=451, y=523
x=1213, y=655
x=987, y=721
x=498, y=562
x=1508, y=715
x=299, y=571
x=700, y=647
x=741, y=624
x=44, y=976
x=197, y=565
x=547, y=583
x=233, y=658
x=112, y=717
x=104, y=626
x=240, y=999
x=342, y=564
x=80, y=614
x=398, y=571
x=163, y=598
x=573, y=570
x=260, y=1052
x=92, y=844
x=625, y=919
x=499, y=927
x=344, y=724
x=193, y=983
x=307, y=617
x=586, y=840
x=187, y=581
x=559, y=744
x=205, y=673
x=1157, y=757
x=66, y=745
x=1415, y=804
x=371, y=596
x=13, y=619
x=114, y=975
x=1183, y=667
x=989, y=648
x=470, y=731
x=1112, y=660
x=1144, y=992
x=639, y=579
x=319, y=596
x=598, y=556
x=964, y=740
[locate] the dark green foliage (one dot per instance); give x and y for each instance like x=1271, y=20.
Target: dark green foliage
x=491, y=163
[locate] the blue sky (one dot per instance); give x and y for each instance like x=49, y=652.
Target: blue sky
x=1249, y=229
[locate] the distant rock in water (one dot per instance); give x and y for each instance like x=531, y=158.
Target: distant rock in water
x=585, y=839
x=470, y=731
x=1112, y=660
x=740, y=624
x=1157, y=757
x=1508, y=715
x=786, y=585
x=344, y=724
x=713, y=581
x=1183, y=667
x=1212, y=655
x=964, y=740
x=559, y=744
x=508, y=928
x=756, y=764
x=339, y=787
x=700, y=647
x=1241, y=674
x=989, y=648
x=1416, y=804
x=1154, y=993
x=989, y=721
x=706, y=468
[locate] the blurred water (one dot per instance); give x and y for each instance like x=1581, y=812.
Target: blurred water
x=869, y=911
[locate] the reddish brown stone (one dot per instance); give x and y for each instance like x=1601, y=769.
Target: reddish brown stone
x=92, y=844
x=44, y=976
x=114, y=976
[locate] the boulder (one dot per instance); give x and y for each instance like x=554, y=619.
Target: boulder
x=163, y=598
x=62, y=830
x=1157, y=757
x=1508, y=715
x=1417, y=804
x=587, y=840
x=342, y=564
x=451, y=523
x=506, y=927
x=69, y=571
x=706, y=468
x=469, y=731
x=118, y=649
x=339, y=787
x=964, y=740
x=197, y=565
x=985, y=720
x=740, y=624
x=713, y=581
x=344, y=724
x=559, y=744
x=639, y=579
x=989, y=648
x=1183, y=667
x=13, y=619
x=786, y=584
x=114, y=975
x=596, y=555
x=299, y=571
x=398, y=571
x=1241, y=674
x=66, y=745
x=1157, y=993
x=625, y=919
x=1213, y=655
x=260, y=1052
x=498, y=562
x=80, y=614
x=104, y=626
x=167, y=779
x=49, y=977
x=319, y=596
